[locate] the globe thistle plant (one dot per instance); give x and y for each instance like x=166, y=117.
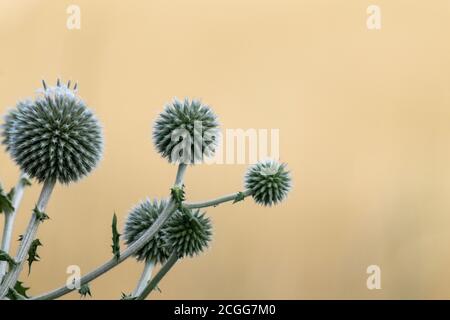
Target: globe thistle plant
x=269, y=182
x=188, y=233
x=186, y=132
x=55, y=136
x=139, y=220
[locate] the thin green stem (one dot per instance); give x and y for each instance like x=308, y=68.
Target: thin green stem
x=145, y=277
x=217, y=201
x=28, y=237
x=158, y=277
x=130, y=250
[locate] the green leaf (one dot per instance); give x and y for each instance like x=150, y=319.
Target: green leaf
x=240, y=197
x=5, y=202
x=6, y=257
x=10, y=194
x=14, y=295
x=19, y=292
x=127, y=297
x=115, y=238
x=32, y=253
x=85, y=290
x=25, y=182
x=41, y=216
x=178, y=194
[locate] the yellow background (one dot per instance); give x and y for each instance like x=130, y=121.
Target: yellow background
x=364, y=125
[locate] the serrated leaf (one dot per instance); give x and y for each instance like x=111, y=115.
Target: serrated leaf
x=115, y=238
x=25, y=182
x=6, y=257
x=85, y=290
x=5, y=202
x=14, y=295
x=32, y=253
x=178, y=195
x=40, y=215
x=11, y=193
x=127, y=297
x=240, y=197
x=21, y=290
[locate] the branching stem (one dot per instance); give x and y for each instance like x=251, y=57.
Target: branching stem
x=158, y=277
x=28, y=237
x=10, y=217
x=130, y=250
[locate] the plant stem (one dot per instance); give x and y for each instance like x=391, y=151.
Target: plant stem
x=216, y=202
x=131, y=250
x=12, y=276
x=154, y=282
x=145, y=277
x=10, y=217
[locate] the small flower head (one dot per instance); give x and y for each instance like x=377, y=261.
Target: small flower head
x=55, y=136
x=186, y=132
x=188, y=233
x=269, y=182
x=140, y=219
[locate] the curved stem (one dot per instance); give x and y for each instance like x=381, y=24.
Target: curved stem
x=145, y=277
x=131, y=250
x=10, y=217
x=162, y=272
x=12, y=276
x=216, y=202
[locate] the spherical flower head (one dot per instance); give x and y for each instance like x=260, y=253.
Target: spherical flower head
x=186, y=132
x=54, y=136
x=269, y=182
x=188, y=233
x=139, y=220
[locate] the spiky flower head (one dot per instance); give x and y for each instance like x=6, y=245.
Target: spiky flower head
x=188, y=233
x=139, y=220
x=269, y=182
x=54, y=136
x=186, y=132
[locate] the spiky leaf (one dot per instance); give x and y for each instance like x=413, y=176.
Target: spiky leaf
x=32, y=253
x=127, y=297
x=14, y=295
x=178, y=194
x=19, y=292
x=240, y=197
x=40, y=215
x=6, y=257
x=5, y=202
x=85, y=290
x=115, y=238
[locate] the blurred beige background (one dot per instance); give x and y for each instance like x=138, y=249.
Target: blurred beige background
x=364, y=125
